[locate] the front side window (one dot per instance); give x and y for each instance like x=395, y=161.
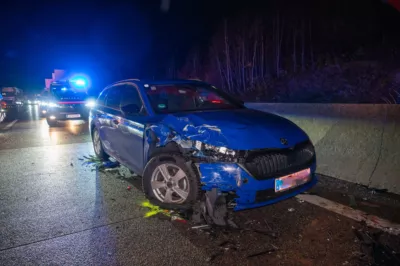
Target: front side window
x=188, y=97
x=102, y=98
x=113, y=98
x=130, y=96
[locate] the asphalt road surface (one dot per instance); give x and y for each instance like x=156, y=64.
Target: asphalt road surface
x=54, y=210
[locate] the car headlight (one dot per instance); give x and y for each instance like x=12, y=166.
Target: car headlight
x=213, y=149
x=90, y=104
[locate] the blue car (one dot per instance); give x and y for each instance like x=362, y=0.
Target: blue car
x=186, y=138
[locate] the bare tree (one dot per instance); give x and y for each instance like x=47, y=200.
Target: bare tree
x=278, y=28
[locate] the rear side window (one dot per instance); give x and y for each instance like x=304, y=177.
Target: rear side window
x=101, y=100
x=113, y=98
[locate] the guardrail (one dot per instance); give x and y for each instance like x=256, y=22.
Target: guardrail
x=354, y=142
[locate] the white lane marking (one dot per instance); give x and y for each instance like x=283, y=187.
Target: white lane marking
x=10, y=124
x=369, y=219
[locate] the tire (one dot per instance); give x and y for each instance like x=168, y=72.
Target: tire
x=188, y=183
x=98, y=150
x=52, y=123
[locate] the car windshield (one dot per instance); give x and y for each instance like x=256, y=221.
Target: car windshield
x=188, y=97
x=65, y=93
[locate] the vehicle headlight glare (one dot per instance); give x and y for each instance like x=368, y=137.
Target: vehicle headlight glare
x=90, y=104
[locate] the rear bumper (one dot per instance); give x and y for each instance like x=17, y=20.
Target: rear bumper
x=249, y=192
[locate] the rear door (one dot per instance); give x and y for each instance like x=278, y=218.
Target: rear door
x=131, y=129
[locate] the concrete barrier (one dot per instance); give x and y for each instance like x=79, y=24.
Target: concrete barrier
x=354, y=142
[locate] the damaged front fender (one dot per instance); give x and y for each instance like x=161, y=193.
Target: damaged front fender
x=183, y=132
x=183, y=129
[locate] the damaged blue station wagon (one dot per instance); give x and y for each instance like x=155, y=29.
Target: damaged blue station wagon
x=190, y=141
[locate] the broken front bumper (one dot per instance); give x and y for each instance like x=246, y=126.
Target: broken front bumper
x=250, y=192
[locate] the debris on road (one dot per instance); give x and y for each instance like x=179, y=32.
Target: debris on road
x=201, y=226
x=110, y=164
x=129, y=188
x=268, y=251
x=92, y=161
x=215, y=255
x=178, y=219
x=291, y=210
x=154, y=210
x=352, y=202
x=300, y=200
x=374, y=251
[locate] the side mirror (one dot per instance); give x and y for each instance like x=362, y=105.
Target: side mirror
x=130, y=109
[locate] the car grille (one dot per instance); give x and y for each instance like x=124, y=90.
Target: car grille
x=271, y=163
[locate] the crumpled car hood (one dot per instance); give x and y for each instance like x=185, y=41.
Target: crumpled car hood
x=240, y=129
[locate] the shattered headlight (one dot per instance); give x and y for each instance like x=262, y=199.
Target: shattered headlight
x=213, y=149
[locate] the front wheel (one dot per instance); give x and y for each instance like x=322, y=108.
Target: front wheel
x=169, y=182
x=98, y=145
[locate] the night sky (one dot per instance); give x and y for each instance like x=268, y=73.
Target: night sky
x=108, y=40
x=112, y=40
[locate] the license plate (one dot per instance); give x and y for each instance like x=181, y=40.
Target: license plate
x=74, y=116
x=293, y=180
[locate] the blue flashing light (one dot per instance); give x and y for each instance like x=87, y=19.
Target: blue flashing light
x=80, y=82
x=64, y=89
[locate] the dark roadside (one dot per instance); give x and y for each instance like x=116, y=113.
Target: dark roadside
x=294, y=232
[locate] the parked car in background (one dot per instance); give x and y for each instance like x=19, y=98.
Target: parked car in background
x=186, y=137
x=13, y=98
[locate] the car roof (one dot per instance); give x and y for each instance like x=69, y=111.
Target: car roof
x=160, y=82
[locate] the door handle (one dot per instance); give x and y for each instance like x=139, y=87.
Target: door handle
x=115, y=121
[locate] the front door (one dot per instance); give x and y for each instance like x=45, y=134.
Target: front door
x=110, y=120
x=131, y=129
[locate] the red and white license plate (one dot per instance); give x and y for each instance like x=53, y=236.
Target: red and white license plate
x=293, y=180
